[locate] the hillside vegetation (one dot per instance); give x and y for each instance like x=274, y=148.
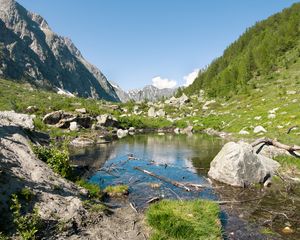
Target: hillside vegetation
x=268, y=47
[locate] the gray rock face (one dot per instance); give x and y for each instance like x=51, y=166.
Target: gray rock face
x=15, y=119
x=31, y=50
x=238, y=165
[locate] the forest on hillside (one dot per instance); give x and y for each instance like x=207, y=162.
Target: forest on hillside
x=266, y=47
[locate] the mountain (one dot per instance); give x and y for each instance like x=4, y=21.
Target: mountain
x=31, y=51
x=269, y=47
x=151, y=93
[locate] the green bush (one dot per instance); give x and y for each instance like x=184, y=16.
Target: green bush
x=57, y=159
x=27, y=225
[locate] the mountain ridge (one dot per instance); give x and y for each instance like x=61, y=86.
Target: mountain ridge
x=31, y=51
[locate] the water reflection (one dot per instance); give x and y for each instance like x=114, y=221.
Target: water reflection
x=178, y=157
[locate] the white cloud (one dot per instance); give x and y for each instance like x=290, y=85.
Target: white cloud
x=161, y=83
x=190, y=78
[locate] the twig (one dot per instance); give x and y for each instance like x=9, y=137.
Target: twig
x=186, y=186
x=132, y=206
x=179, y=198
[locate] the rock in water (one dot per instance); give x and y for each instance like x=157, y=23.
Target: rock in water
x=237, y=164
x=122, y=133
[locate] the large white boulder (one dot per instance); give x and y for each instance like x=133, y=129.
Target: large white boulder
x=237, y=164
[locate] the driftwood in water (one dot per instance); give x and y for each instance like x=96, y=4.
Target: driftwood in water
x=275, y=143
x=187, y=186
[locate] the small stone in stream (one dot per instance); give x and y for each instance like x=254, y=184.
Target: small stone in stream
x=122, y=133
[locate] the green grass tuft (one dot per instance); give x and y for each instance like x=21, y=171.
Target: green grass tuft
x=197, y=219
x=94, y=189
x=116, y=191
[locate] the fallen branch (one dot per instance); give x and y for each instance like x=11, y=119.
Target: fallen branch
x=238, y=202
x=186, y=186
x=275, y=143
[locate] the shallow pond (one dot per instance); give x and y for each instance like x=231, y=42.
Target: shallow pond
x=177, y=157
x=186, y=159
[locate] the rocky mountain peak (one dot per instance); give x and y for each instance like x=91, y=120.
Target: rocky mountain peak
x=30, y=50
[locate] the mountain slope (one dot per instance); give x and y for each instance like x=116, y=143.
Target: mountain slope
x=268, y=47
x=31, y=51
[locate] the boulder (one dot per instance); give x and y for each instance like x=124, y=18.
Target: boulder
x=107, y=121
x=122, y=133
x=151, y=112
x=176, y=130
x=54, y=117
x=237, y=164
x=31, y=109
x=259, y=129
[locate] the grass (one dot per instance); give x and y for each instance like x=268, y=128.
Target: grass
x=288, y=161
x=93, y=189
x=176, y=220
x=116, y=191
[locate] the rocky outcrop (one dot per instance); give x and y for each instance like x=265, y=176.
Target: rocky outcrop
x=107, y=120
x=122, y=133
x=61, y=119
x=237, y=164
x=31, y=51
x=56, y=198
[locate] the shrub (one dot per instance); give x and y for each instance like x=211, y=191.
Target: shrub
x=27, y=225
x=57, y=159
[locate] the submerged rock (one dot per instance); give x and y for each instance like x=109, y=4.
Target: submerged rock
x=81, y=142
x=238, y=165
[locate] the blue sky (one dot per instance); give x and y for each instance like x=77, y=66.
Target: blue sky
x=134, y=41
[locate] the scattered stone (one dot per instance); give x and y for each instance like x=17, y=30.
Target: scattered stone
x=259, y=129
x=287, y=230
x=74, y=126
x=160, y=113
x=244, y=132
x=207, y=103
x=176, y=130
x=81, y=110
x=122, y=133
x=151, y=112
x=81, y=142
x=271, y=116
x=291, y=92
x=31, y=109
x=188, y=130
x=257, y=118
x=107, y=120
x=238, y=165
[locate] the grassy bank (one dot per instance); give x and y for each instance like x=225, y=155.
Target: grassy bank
x=197, y=219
